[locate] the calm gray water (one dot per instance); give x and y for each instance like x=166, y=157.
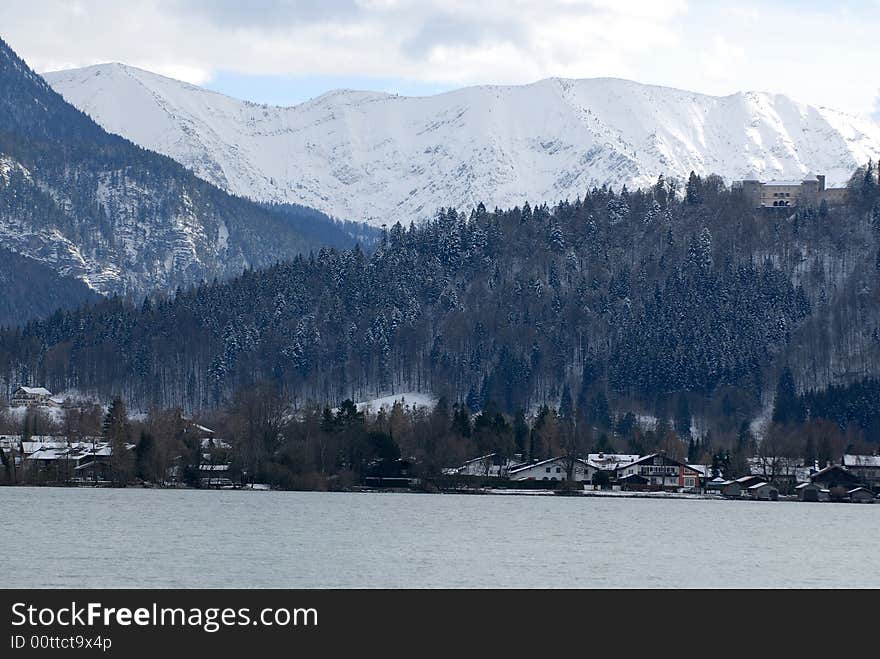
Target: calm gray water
x=184, y=538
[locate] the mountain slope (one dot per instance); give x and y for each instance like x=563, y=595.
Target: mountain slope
x=98, y=208
x=381, y=158
x=32, y=290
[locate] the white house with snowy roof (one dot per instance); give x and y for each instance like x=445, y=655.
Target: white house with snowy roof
x=33, y=397
x=554, y=469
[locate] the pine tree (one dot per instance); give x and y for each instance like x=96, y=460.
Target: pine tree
x=787, y=407
x=117, y=431
x=566, y=408
x=694, y=190
x=683, y=416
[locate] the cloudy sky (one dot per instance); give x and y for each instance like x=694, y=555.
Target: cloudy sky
x=285, y=51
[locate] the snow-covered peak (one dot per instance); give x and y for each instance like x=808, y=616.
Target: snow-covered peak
x=381, y=157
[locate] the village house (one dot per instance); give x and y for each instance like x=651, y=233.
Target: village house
x=861, y=495
x=633, y=483
x=735, y=489
x=865, y=467
x=60, y=461
x=763, y=492
x=391, y=472
x=835, y=476
x=784, y=473
x=716, y=485
x=611, y=462
x=33, y=397
x=811, y=491
x=554, y=469
x=662, y=472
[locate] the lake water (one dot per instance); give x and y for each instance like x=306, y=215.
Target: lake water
x=104, y=538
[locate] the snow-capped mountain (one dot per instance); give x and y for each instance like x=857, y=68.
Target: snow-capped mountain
x=382, y=158
x=94, y=207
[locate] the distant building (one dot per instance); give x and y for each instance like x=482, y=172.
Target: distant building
x=390, y=472
x=835, y=476
x=611, y=461
x=735, y=489
x=865, y=467
x=812, y=492
x=33, y=397
x=763, y=492
x=633, y=483
x=784, y=473
x=60, y=461
x=810, y=191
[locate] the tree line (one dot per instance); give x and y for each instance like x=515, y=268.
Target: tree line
x=642, y=301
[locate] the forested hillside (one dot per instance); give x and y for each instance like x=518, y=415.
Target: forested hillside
x=634, y=301
x=31, y=290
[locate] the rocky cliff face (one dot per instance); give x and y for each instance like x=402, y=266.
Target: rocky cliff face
x=95, y=207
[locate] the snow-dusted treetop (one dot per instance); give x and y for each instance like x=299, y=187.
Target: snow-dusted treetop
x=381, y=158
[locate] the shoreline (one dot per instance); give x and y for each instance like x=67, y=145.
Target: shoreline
x=485, y=491
x=489, y=491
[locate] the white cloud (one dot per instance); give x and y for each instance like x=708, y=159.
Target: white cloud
x=806, y=50
x=723, y=60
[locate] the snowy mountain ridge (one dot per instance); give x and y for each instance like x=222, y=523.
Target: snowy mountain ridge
x=93, y=207
x=381, y=158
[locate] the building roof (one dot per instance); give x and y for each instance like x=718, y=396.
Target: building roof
x=860, y=489
x=612, y=457
x=831, y=468
x=757, y=486
x=35, y=391
x=633, y=477
x=807, y=484
x=662, y=455
x=788, y=184
x=543, y=462
x=480, y=459
x=861, y=460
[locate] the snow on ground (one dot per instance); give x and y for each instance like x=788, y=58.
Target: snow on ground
x=410, y=399
x=758, y=425
x=646, y=421
x=55, y=414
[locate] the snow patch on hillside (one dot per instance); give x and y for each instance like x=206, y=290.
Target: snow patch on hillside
x=410, y=399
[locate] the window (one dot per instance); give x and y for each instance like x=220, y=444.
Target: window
x=558, y=470
x=547, y=470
